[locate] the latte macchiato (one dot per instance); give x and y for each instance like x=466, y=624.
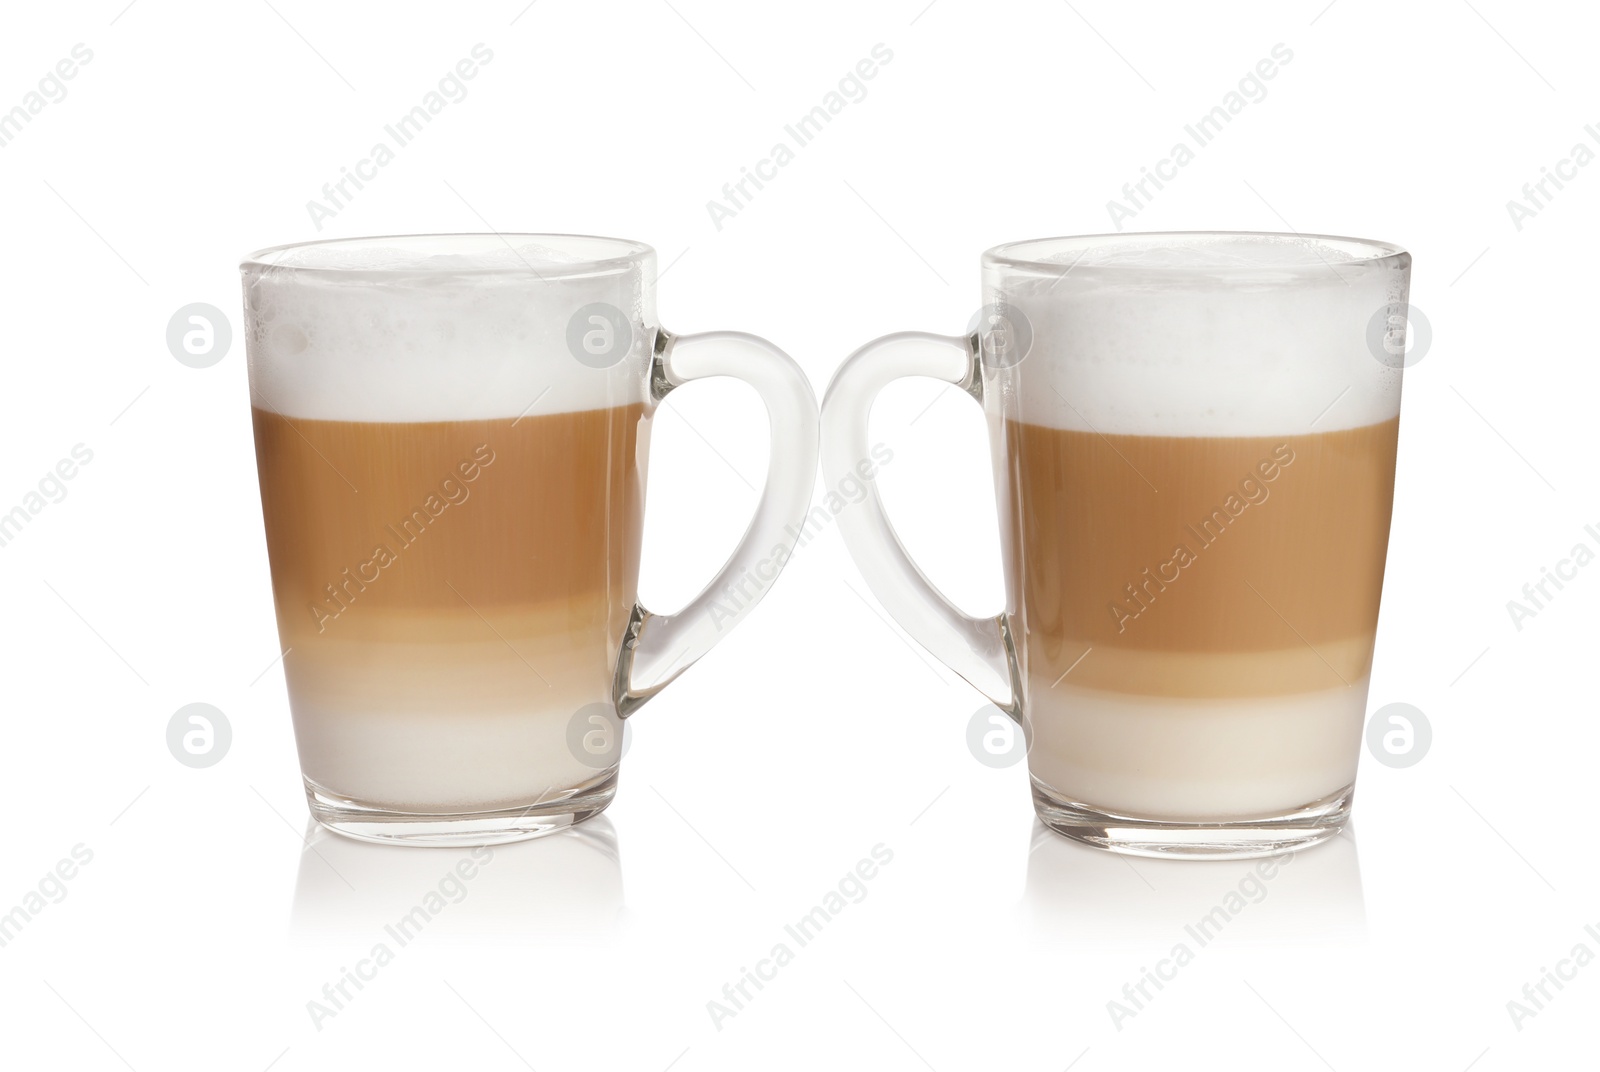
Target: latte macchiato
x=452, y=436
x=1195, y=464
x=453, y=507
x=1193, y=438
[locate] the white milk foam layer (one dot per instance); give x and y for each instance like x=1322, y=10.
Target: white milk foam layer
x=382, y=332
x=1193, y=759
x=1203, y=336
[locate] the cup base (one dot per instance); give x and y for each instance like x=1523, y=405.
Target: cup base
x=1240, y=839
x=387, y=826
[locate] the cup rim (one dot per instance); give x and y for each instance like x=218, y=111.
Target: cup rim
x=1030, y=253
x=608, y=254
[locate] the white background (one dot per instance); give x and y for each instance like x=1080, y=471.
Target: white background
x=203, y=925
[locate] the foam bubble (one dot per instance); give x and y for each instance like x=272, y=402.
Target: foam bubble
x=1193, y=335
x=436, y=328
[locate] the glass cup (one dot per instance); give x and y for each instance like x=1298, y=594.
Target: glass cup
x=452, y=434
x=1193, y=439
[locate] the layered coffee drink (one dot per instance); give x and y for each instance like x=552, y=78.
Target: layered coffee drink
x=453, y=508
x=1196, y=469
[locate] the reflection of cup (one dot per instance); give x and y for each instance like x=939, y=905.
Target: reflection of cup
x=1082, y=896
x=452, y=435
x=569, y=882
x=1194, y=456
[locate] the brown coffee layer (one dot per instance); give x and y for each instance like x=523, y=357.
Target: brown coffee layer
x=1154, y=553
x=515, y=542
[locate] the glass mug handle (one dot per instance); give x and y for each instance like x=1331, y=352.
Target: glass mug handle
x=979, y=649
x=656, y=648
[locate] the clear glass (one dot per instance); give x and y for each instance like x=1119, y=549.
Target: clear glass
x=1193, y=439
x=452, y=437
